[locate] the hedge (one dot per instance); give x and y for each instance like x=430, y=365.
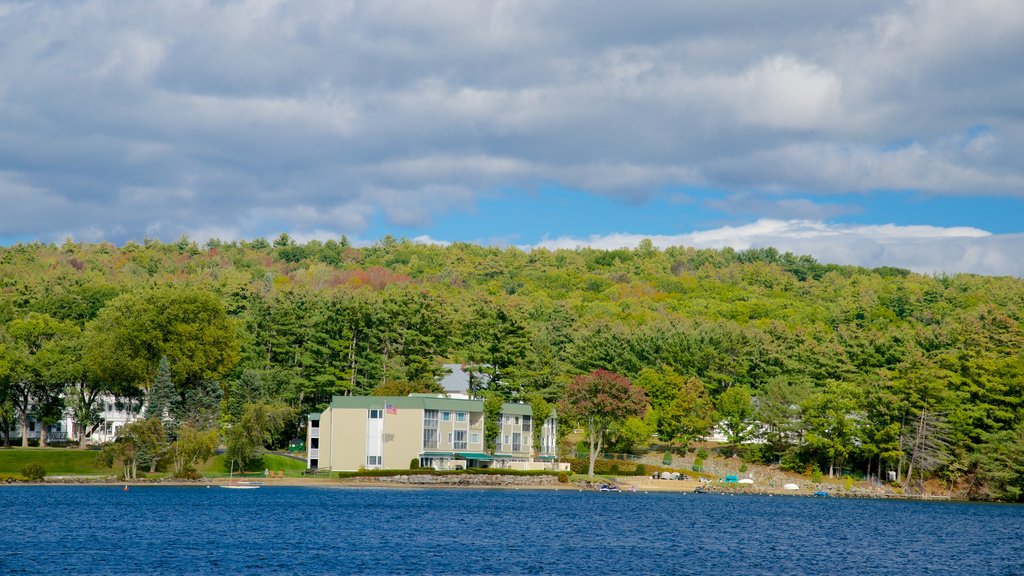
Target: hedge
x=606, y=467
x=432, y=472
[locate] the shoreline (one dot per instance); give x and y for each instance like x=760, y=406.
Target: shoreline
x=629, y=484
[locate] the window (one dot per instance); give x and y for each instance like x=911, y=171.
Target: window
x=314, y=463
x=430, y=438
x=430, y=418
x=447, y=416
x=505, y=441
x=527, y=424
x=515, y=420
x=460, y=440
x=474, y=438
x=460, y=416
x=374, y=460
x=314, y=423
x=517, y=444
x=376, y=413
x=314, y=443
x=449, y=438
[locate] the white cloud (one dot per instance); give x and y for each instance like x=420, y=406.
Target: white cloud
x=324, y=116
x=925, y=249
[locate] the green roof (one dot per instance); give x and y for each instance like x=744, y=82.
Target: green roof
x=314, y=415
x=408, y=402
x=516, y=408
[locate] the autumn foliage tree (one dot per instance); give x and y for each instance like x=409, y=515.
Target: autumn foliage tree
x=599, y=399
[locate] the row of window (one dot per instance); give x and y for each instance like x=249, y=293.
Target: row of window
x=430, y=417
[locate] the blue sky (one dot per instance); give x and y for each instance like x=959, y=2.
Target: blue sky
x=866, y=132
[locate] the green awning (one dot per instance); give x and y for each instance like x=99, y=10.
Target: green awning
x=545, y=458
x=437, y=454
x=474, y=456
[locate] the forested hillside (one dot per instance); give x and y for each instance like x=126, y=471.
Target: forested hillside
x=874, y=370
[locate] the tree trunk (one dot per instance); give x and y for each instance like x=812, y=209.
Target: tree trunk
x=596, y=433
x=42, y=434
x=24, y=430
x=82, y=438
x=352, y=364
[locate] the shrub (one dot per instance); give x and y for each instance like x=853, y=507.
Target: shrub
x=641, y=470
x=743, y=468
x=601, y=466
x=188, y=473
x=34, y=472
x=848, y=482
x=563, y=477
x=702, y=454
x=666, y=460
x=414, y=464
x=816, y=474
x=698, y=465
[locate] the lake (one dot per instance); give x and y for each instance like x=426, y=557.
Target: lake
x=288, y=530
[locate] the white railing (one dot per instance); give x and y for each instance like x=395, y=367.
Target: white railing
x=314, y=453
x=314, y=432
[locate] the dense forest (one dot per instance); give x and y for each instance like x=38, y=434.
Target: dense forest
x=833, y=366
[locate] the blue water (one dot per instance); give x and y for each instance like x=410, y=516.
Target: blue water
x=277, y=530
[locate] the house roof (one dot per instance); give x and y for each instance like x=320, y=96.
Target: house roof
x=516, y=408
x=408, y=402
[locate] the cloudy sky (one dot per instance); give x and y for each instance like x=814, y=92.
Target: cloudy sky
x=864, y=131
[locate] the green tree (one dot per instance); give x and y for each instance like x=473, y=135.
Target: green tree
x=135, y=330
x=683, y=411
x=599, y=399
x=736, y=412
x=259, y=424
x=45, y=361
x=492, y=418
x=1000, y=465
x=133, y=440
x=831, y=416
x=191, y=448
x=161, y=398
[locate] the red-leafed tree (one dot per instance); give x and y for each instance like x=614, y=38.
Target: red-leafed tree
x=599, y=399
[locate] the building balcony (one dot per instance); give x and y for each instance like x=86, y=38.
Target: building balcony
x=314, y=453
x=314, y=432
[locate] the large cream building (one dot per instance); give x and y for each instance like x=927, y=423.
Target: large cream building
x=388, y=432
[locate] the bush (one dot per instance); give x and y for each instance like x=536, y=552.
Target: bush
x=848, y=482
x=702, y=454
x=414, y=464
x=743, y=468
x=641, y=470
x=601, y=466
x=816, y=474
x=34, y=472
x=563, y=477
x=698, y=465
x=187, y=473
x=666, y=460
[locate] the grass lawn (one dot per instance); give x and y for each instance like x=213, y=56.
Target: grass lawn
x=217, y=466
x=56, y=461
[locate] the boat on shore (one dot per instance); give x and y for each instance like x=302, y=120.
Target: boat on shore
x=239, y=485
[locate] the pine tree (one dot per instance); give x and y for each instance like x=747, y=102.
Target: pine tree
x=161, y=395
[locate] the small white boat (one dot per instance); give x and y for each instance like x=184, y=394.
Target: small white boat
x=239, y=485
